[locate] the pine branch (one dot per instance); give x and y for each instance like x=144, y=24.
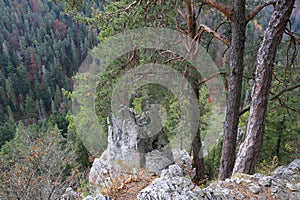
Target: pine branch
x=258, y=9
x=129, y=7
x=284, y=90
x=220, y=7
x=274, y=96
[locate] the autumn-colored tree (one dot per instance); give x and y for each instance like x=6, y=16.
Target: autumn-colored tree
x=36, y=165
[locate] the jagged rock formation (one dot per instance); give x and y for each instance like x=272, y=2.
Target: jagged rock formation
x=130, y=141
x=131, y=144
x=283, y=184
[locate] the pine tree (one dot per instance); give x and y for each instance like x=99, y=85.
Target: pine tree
x=30, y=111
x=7, y=131
x=11, y=101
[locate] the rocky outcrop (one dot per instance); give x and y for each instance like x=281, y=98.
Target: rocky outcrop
x=132, y=144
x=283, y=184
x=100, y=168
x=131, y=141
x=171, y=185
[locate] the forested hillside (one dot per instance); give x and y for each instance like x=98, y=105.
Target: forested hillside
x=254, y=45
x=41, y=49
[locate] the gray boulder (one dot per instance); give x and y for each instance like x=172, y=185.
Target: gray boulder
x=171, y=185
x=290, y=172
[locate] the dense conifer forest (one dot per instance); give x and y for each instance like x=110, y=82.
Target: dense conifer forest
x=43, y=44
x=41, y=49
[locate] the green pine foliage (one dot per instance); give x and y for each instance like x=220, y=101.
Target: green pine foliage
x=41, y=48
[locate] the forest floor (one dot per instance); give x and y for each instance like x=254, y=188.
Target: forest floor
x=132, y=189
x=128, y=189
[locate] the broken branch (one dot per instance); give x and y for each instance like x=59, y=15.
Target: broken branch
x=211, y=77
x=215, y=34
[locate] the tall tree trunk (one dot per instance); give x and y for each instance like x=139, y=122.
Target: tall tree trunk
x=238, y=39
x=249, y=150
x=198, y=159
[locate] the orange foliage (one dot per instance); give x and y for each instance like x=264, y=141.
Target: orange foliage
x=59, y=28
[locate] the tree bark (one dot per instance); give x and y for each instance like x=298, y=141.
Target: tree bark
x=250, y=148
x=238, y=39
x=198, y=159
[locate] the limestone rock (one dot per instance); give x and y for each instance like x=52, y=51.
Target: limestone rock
x=255, y=189
x=265, y=181
x=289, y=172
x=99, y=169
x=131, y=145
x=171, y=185
x=157, y=160
x=184, y=161
x=292, y=187
x=69, y=194
x=98, y=197
x=130, y=141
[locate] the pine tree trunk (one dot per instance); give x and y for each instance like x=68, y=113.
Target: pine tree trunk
x=198, y=159
x=238, y=39
x=249, y=150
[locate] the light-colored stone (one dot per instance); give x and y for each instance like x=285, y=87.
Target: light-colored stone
x=99, y=169
x=157, y=160
x=98, y=197
x=131, y=145
x=292, y=187
x=89, y=198
x=288, y=173
x=130, y=141
x=273, y=189
x=69, y=194
x=254, y=188
x=265, y=181
x=171, y=185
